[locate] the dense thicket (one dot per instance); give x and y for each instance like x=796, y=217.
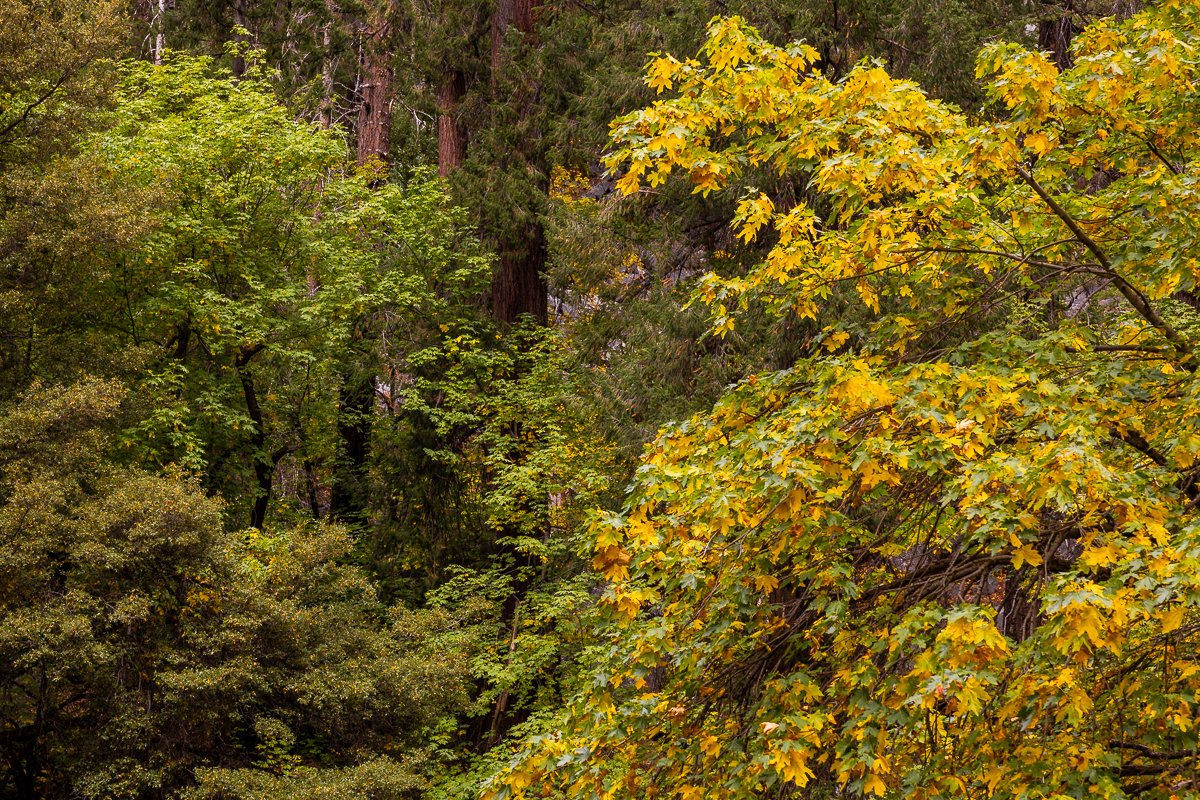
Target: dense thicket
x=332, y=333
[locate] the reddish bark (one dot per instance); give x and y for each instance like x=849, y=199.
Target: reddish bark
x=523, y=14
x=452, y=139
x=375, y=107
x=349, y=492
x=518, y=285
x=510, y=13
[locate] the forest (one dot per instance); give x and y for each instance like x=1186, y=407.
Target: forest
x=599, y=399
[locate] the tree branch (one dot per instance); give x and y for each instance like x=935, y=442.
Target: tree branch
x=1136, y=299
x=29, y=109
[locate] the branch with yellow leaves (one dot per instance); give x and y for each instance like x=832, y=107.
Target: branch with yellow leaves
x=1139, y=302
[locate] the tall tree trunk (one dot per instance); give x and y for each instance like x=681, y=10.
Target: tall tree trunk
x=518, y=284
x=1055, y=31
x=375, y=107
x=522, y=14
x=452, y=139
x=349, y=500
x=160, y=37
x=517, y=14
x=502, y=18
x=240, y=23
x=264, y=468
x=327, y=73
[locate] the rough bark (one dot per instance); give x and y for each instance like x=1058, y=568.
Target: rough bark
x=518, y=285
x=375, y=106
x=160, y=36
x=523, y=11
x=517, y=14
x=240, y=21
x=452, y=139
x=327, y=67
x=1055, y=31
x=348, y=494
x=502, y=18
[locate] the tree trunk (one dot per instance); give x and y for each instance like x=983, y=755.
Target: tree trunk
x=327, y=75
x=1055, y=31
x=518, y=284
x=452, y=140
x=160, y=36
x=517, y=14
x=375, y=107
x=502, y=18
x=264, y=468
x=240, y=23
x=348, y=498
x=348, y=495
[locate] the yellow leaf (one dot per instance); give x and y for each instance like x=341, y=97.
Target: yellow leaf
x=835, y=340
x=1171, y=619
x=1039, y=143
x=661, y=73
x=1026, y=555
x=766, y=583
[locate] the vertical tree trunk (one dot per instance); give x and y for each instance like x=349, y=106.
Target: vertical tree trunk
x=240, y=23
x=518, y=284
x=502, y=18
x=264, y=467
x=509, y=13
x=349, y=499
x=160, y=36
x=24, y=766
x=327, y=74
x=452, y=140
x=375, y=108
x=522, y=16
x=1055, y=31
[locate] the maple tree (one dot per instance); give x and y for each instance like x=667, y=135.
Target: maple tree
x=957, y=553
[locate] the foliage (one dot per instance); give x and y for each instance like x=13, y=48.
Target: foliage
x=142, y=641
x=263, y=253
x=621, y=268
x=931, y=535
x=482, y=517
x=47, y=54
x=55, y=208
x=958, y=553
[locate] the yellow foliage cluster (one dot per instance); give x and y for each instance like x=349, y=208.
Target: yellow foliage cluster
x=953, y=553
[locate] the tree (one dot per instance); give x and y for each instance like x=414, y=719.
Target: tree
x=955, y=554
x=237, y=276
x=54, y=208
x=264, y=251
x=374, y=128
x=46, y=72
x=144, y=645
